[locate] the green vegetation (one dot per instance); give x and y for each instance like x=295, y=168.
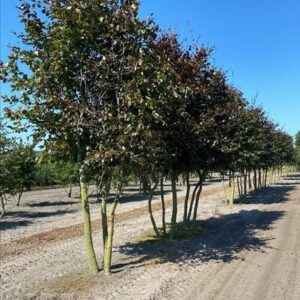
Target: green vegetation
x=297, y=144
x=115, y=99
x=17, y=163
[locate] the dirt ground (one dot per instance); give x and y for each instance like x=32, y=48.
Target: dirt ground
x=249, y=252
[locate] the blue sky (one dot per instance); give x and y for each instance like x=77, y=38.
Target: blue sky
x=256, y=41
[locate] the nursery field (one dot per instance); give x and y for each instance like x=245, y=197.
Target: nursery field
x=252, y=249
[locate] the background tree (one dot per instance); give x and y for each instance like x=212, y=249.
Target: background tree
x=297, y=144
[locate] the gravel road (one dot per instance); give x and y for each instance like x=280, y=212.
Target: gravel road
x=249, y=252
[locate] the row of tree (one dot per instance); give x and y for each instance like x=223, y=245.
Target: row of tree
x=114, y=94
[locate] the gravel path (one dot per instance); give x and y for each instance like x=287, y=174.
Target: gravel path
x=256, y=255
x=249, y=252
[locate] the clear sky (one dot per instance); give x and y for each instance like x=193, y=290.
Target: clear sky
x=256, y=41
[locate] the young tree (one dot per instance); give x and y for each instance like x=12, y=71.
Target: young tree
x=83, y=85
x=297, y=144
x=22, y=165
x=6, y=179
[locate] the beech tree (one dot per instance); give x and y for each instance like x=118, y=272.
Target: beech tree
x=80, y=59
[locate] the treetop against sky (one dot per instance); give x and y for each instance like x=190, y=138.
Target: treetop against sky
x=256, y=42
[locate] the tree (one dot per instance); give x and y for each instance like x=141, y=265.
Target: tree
x=22, y=164
x=6, y=179
x=17, y=162
x=83, y=86
x=297, y=144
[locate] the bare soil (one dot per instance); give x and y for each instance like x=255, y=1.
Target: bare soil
x=249, y=252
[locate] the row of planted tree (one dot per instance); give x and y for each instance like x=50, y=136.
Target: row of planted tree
x=112, y=92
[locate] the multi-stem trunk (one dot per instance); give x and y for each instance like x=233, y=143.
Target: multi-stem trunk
x=174, y=207
x=88, y=239
x=201, y=177
x=109, y=241
x=150, y=210
x=193, y=200
x=163, y=206
x=187, y=195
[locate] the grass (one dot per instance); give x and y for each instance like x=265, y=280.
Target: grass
x=183, y=232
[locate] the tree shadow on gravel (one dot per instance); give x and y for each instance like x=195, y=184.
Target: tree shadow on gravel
x=269, y=195
x=51, y=203
x=129, y=198
x=27, y=217
x=224, y=238
x=293, y=177
x=5, y=225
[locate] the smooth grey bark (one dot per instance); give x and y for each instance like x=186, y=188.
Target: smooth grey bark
x=150, y=210
x=88, y=239
x=164, y=228
x=186, y=200
x=174, y=207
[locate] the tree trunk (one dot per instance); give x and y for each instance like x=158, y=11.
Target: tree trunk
x=232, y=190
x=255, y=179
x=92, y=262
x=109, y=242
x=2, y=207
x=162, y=196
x=70, y=190
x=272, y=176
x=238, y=181
x=150, y=210
x=192, y=201
x=174, y=207
x=249, y=180
x=104, y=223
x=224, y=189
x=201, y=176
x=187, y=195
x=245, y=183
x=19, y=196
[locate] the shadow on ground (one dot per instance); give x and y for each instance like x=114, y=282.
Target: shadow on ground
x=293, y=177
x=224, y=237
x=51, y=203
x=27, y=217
x=269, y=195
x=128, y=198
